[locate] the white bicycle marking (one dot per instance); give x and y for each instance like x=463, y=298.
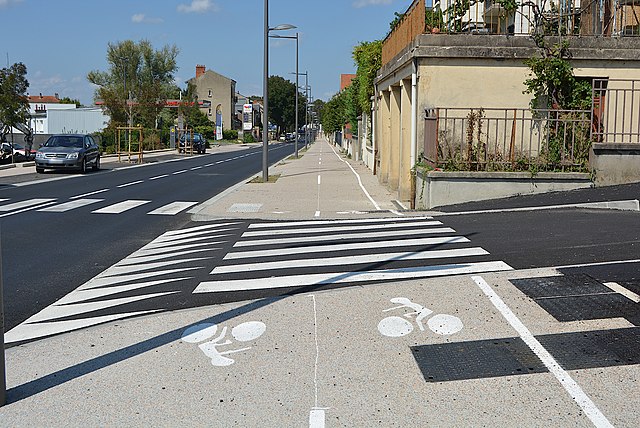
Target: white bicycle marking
x=398, y=326
x=244, y=332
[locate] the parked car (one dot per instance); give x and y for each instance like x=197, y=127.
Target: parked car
x=199, y=143
x=68, y=151
x=15, y=153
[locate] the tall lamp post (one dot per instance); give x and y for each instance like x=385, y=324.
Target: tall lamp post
x=265, y=89
x=296, y=73
x=307, y=92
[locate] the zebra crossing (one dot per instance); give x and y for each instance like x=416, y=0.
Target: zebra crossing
x=314, y=254
x=220, y=261
x=52, y=205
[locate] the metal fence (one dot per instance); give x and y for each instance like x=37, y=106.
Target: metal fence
x=562, y=18
x=616, y=110
x=507, y=139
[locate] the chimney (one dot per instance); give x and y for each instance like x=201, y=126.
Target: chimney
x=200, y=69
x=56, y=95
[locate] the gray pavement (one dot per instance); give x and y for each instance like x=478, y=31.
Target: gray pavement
x=338, y=358
x=319, y=184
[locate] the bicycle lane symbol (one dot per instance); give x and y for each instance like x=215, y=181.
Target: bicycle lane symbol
x=398, y=326
x=245, y=332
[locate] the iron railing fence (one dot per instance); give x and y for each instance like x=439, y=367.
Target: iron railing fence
x=495, y=139
x=616, y=111
x=554, y=18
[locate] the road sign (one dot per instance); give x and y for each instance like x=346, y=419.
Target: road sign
x=247, y=117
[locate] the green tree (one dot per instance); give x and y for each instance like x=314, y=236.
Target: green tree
x=318, y=107
x=139, y=71
x=397, y=17
x=282, y=102
x=14, y=104
x=368, y=60
x=552, y=82
x=67, y=100
x=334, y=113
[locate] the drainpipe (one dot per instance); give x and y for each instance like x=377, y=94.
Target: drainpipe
x=414, y=127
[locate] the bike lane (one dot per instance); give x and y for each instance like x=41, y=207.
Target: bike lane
x=343, y=357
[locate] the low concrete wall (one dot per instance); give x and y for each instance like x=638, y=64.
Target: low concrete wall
x=440, y=188
x=367, y=156
x=615, y=163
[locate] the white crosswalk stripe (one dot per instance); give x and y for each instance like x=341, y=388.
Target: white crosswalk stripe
x=348, y=277
x=344, y=252
x=352, y=259
x=24, y=204
x=68, y=206
x=172, y=208
x=121, y=207
x=50, y=205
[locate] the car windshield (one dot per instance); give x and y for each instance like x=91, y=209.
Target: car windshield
x=64, y=141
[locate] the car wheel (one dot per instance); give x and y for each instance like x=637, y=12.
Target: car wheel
x=39, y=170
x=96, y=165
x=83, y=166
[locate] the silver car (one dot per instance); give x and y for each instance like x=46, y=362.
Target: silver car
x=68, y=151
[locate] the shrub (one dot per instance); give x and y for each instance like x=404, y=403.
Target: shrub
x=230, y=134
x=248, y=138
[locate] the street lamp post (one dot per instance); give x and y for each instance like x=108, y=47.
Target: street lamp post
x=265, y=91
x=265, y=101
x=296, y=73
x=307, y=93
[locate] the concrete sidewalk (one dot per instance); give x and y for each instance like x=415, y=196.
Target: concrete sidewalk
x=321, y=183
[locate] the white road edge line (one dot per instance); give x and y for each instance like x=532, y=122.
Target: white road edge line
x=133, y=183
x=595, y=264
x=588, y=407
x=158, y=177
x=89, y=194
x=622, y=290
x=626, y=205
x=317, y=414
x=375, y=204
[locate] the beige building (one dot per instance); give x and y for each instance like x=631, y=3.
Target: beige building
x=430, y=72
x=218, y=94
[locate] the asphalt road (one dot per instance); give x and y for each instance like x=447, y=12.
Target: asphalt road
x=549, y=238
x=48, y=254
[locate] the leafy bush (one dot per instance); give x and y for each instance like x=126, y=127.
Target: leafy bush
x=248, y=138
x=230, y=134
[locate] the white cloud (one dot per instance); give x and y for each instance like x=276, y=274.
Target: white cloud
x=141, y=18
x=364, y=3
x=4, y=3
x=198, y=6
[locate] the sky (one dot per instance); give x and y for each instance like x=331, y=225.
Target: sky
x=60, y=41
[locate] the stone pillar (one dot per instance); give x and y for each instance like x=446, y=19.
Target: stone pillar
x=384, y=132
x=404, y=185
x=394, y=140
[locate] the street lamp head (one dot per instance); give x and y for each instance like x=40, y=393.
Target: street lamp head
x=282, y=27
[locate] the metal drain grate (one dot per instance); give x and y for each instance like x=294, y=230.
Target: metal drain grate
x=476, y=360
x=511, y=356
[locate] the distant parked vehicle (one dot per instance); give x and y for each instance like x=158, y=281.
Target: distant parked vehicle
x=15, y=153
x=68, y=151
x=199, y=143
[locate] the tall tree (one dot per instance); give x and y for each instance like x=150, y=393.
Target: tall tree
x=367, y=57
x=14, y=104
x=139, y=72
x=282, y=103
